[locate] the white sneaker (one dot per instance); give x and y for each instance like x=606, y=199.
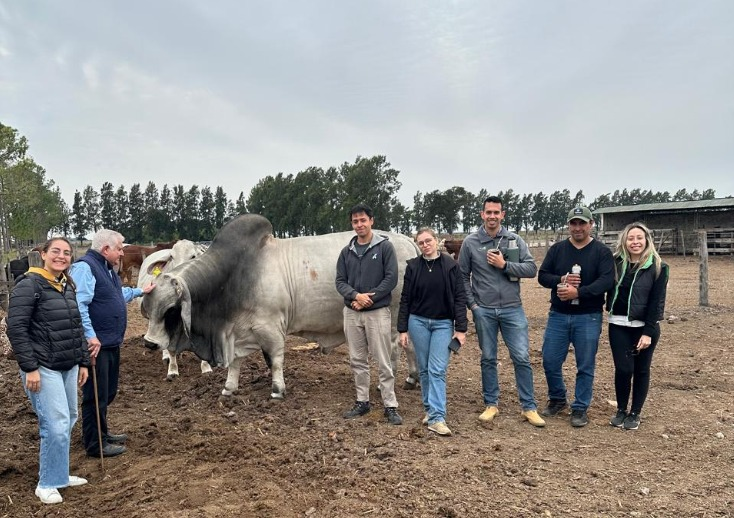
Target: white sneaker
x=49, y=496
x=76, y=481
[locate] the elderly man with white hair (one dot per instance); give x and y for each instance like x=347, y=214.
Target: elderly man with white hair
x=103, y=306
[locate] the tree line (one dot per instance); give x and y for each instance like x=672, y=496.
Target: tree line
x=310, y=202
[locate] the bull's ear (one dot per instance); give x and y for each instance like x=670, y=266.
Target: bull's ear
x=182, y=291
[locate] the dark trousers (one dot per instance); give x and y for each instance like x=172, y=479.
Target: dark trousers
x=108, y=376
x=630, y=366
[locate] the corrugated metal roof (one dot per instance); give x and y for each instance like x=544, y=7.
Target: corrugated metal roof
x=716, y=203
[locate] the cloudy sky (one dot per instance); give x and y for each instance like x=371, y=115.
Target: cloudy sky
x=533, y=96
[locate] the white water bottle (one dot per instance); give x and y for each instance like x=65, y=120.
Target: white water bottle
x=576, y=269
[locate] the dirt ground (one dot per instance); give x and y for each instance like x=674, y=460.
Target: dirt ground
x=193, y=453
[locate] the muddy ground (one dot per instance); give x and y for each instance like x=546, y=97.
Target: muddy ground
x=193, y=453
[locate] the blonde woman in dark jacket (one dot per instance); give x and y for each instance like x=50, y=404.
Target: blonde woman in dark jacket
x=636, y=304
x=45, y=332
x=433, y=312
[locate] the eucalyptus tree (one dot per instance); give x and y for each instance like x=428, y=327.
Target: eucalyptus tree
x=206, y=215
x=79, y=225
x=402, y=219
x=470, y=209
x=91, y=208
x=239, y=207
x=523, y=212
x=178, y=209
x=122, y=216
x=108, y=206
x=418, y=213
x=271, y=197
x=510, y=201
x=220, y=209
x=190, y=223
x=708, y=194
x=371, y=181
x=539, y=213
x=136, y=207
x=150, y=209
x=30, y=205
x=164, y=225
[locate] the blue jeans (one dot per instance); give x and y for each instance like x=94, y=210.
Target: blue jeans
x=431, y=342
x=56, y=407
x=514, y=327
x=583, y=331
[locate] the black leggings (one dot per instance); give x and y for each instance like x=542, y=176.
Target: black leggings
x=627, y=365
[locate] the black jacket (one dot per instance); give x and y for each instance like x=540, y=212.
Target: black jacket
x=376, y=271
x=454, y=297
x=44, y=326
x=646, y=301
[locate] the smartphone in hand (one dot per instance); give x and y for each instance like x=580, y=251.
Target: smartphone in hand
x=454, y=345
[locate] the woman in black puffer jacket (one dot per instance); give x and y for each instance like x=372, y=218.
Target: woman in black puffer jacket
x=46, y=334
x=636, y=304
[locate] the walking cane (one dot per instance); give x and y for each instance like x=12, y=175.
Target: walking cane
x=96, y=407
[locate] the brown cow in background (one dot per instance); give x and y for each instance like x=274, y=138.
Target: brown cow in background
x=451, y=247
x=133, y=257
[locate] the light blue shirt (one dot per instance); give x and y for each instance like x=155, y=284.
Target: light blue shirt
x=85, y=282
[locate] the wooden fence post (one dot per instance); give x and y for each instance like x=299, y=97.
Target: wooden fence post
x=703, y=279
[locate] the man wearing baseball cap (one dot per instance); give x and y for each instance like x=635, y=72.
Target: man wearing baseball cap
x=578, y=271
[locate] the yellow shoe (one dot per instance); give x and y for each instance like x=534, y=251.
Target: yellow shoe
x=488, y=415
x=532, y=417
x=440, y=428
x=424, y=421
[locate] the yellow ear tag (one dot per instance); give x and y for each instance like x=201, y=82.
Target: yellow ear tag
x=156, y=271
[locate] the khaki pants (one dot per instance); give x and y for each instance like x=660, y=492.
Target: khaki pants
x=369, y=333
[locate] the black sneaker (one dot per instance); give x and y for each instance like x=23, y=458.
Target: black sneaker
x=359, y=409
x=632, y=421
x=618, y=418
x=392, y=415
x=553, y=407
x=579, y=418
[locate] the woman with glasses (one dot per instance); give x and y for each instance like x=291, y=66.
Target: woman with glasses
x=433, y=313
x=635, y=305
x=46, y=334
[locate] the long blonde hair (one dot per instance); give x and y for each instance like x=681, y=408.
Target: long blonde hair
x=647, y=253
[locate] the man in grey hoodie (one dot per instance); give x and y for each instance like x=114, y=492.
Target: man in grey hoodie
x=492, y=281
x=366, y=274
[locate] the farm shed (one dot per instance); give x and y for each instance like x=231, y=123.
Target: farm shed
x=675, y=224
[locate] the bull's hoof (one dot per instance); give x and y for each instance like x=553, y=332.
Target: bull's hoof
x=276, y=396
x=410, y=384
x=227, y=393
x=171, y=377
x=206, y=369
